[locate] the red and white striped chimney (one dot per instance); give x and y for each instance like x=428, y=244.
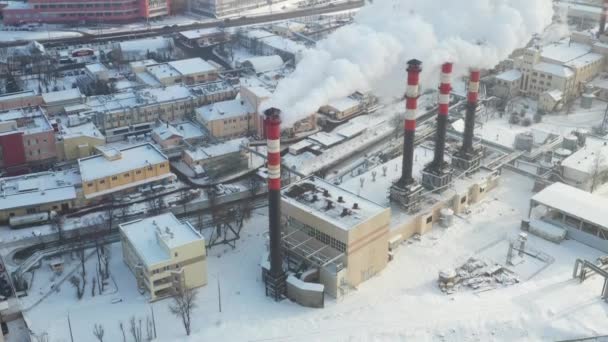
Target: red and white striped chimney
x=411, y=110
x=272, y=124
x=442, y=116
x=472, y=101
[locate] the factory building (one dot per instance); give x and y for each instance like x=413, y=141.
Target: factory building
x=164, y=254
x=80, y=141
x=340, y=235
x=56, y=101
x=582, y=215
x=228, y=119
x=223, y=8
x=204, y=37
x=228, y=156
x=563, y=66
x=187, y=71
x=587, y=168
x=27, y=98
x=118, y=170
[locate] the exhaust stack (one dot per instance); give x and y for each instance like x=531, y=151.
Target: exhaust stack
x=411, y=109
x=468, y=158
x=275, y=277
x=406, y=191
x=438, y=174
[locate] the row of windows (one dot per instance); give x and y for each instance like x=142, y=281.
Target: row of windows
x=88, y=5
x=29, y=141
x=586, y=227
x=126, y=175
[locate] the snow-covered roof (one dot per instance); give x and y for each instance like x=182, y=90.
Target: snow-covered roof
x=509, y=75
x=575, y=202
x=87, y=129
x=136, y=157
x=162, y=71
x=26, y=121
x=555, y=94
x=144, y=63
x=147, y=44
x=200, y=33
x=226, y=147
x=554, y=69
x=301, y=194
x=564, y=51
x=326, y=139
x=166, y=131
x=586, y=159
x=350, y=129
x=17, y=95
x=343, y=104
x=585, y=60
x=192, y=66
x=154, y=238
x=277, y=42
x=95, y=68
x=264, y=63
x=38, y=188
x=224, y=110
x=62, y=95
x=189, y=130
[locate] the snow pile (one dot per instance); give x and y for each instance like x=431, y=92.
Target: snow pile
x=372, y=52
x=476, y=274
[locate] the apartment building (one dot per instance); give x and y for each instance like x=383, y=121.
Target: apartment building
x=164, y=254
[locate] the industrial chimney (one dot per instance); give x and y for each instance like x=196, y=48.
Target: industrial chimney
x=275, y=277
x=603, y=17
x=406, y=191
x=469, y=156
x=438, y=174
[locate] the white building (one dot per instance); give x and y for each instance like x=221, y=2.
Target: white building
x=587, y=168
x=164, y=254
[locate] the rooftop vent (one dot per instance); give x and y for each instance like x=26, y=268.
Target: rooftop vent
x=340, y=199
x=345, y=212
x=326, y=193
x=355, y=205
x=329, y=205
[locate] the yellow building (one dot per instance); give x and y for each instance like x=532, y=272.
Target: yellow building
x=116, y=170
x=164, y=254
x=78, y=142
x=228, y=119
x=335, y=232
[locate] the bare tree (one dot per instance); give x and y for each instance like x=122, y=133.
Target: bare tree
x=75, y=281
x=135, y=329
x=98, y=332
x=184, y=302
x=122, y=329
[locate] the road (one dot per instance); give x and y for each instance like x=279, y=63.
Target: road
x=242, y=21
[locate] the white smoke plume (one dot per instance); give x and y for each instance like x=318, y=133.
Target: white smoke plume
x=371, y=53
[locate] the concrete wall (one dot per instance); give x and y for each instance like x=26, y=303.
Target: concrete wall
x=306, y=294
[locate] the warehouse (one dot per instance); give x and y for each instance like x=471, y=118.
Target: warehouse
x=582, y=214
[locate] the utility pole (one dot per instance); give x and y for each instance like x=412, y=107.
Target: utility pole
x=219, y=293
x=70, y=326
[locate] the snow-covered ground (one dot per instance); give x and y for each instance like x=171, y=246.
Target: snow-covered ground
x=403, y=302
x=8, y=36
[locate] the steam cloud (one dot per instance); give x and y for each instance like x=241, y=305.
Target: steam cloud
x=371, y=53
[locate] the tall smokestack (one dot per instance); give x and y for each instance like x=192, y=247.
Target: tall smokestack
x=603, y=17
x=272, y=125
x=469, y=121
x=411, y=108
x=442, y=117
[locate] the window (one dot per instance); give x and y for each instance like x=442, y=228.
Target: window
x=102, y=181
x=138, y=172
x=114, y=178
x=30, y=210
x=162, y=166
x=176, y=254
x=149, y=168
x=462, y=200
x=90, y=185
x=126, y=175
x=429, y=219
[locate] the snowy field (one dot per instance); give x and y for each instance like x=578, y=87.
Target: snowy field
x=403, y=302
x=8, y=36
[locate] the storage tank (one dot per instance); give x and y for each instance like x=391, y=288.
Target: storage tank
x=570, y=142
x=446, y=217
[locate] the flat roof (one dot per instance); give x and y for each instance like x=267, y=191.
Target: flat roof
x=148, y=236
x=62, y=95
x=224, y=110
x=98, y=166
x=575, y=202
x=585, y=160
x=301, y=195
x=192, y=66
x=26, y=121
x=226, y=147
x=96, y=67
x=554, y=69
x=161, y=71
x=199, y=33
x=38, y=188
x=20, y=94
x=343, y=104
x=264, y=63
x=509, y=75
x=564, y=51
x=326, y=139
